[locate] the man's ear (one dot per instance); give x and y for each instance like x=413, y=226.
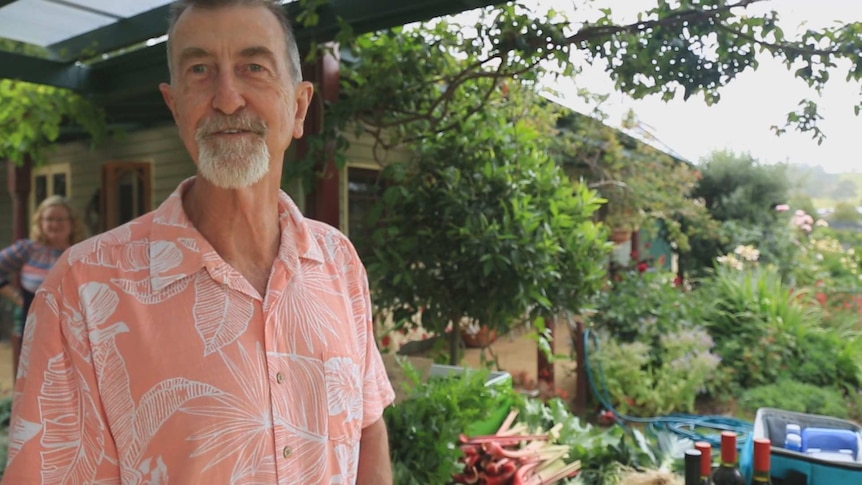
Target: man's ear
x=168, y=96
x=303, y=96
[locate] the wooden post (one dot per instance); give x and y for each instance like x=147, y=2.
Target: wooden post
x=323, y=203
x=582, y=389
x=18, y=183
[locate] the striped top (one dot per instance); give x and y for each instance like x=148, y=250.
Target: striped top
x=31, y=259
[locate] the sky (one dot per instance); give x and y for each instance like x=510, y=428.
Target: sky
x=749, y=105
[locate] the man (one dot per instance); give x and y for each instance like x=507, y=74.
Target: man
x=222, y=338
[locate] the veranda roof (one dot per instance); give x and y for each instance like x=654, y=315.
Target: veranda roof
x=112, y=51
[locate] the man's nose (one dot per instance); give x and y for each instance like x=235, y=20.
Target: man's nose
x=227, y=97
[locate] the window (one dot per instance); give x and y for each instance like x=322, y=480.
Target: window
x=126, y=192
x=363, y=190
x=47, y=181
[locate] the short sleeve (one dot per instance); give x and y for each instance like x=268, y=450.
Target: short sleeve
x=377, y=390
x=58, y=433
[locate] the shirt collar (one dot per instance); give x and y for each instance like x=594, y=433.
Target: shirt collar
x=172, y=230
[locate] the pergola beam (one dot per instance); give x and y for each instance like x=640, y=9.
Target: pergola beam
x=115, y=36
x=43, y=71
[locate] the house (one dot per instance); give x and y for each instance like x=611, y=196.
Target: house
x=115, y=54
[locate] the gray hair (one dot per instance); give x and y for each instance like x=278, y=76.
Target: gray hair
x=293, y=60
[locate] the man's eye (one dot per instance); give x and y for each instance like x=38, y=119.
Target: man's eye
x=198, y=69
x=255, y=68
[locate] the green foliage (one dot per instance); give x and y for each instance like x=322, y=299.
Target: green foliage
x=644, y=306
x=764, y=331
x=31, y=117
x=737, y=187
x=822, y=261
x=400, y=85
x=796, y=396
x=654, y=357
x=644, y=187
x=424, y=428
x=741, y=194
x=847, y=213
x=604, y=453
x=484, y=226
x=638, y=385
x=5, y=415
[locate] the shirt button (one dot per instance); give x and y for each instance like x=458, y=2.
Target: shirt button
x=286, y=452
x=279, y=378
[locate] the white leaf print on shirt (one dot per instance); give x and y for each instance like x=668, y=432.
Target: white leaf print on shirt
x=165, y=256
x=126, y=255
x=20, y=432
x=133, y=427
x=30, y=330
x=301, y=410
x=221, y=314
x=142, y=290
x=190, y=244
x=240, y=425
x=344, y=388
x=99, y=302
x=72, y=440
x=348, y=463
x=93, y=250
x=171, y=214
x=153, y=472
x=314, y=320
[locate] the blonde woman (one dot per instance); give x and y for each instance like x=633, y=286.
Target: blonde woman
x=54, y=228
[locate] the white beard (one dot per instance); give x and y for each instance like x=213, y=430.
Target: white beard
x=235, y=164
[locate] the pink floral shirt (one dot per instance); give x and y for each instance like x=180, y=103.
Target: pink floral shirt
x=148, y=359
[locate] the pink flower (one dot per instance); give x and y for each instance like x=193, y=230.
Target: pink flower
x=782, y=208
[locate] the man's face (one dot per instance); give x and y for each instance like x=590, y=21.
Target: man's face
x=231, y=94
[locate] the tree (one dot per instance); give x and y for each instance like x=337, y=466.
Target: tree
x=742, y=195
x=846, y=214
x=483, y=225
x=645, y=187
x=428, y=89
x=677, y=48
x=31, y=115
x=846, y=189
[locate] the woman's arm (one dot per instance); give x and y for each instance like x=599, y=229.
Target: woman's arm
x=10, y=292
x=13, y=258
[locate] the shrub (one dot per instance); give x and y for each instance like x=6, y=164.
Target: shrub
x=757, y=323
x=796, y=396
x=637, y=385
x=643, y=307
x=424, y=428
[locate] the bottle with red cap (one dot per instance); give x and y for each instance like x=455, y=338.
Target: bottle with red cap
x=705, y=461
x=727, y=472
x=762, y=449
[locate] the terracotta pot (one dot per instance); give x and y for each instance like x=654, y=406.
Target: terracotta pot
x=482, y=338
x=620, y=235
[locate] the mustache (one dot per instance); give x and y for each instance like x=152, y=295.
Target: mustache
x=242, y=121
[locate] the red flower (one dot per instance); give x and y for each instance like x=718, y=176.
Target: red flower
x=385, y=341
x=642, y=267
